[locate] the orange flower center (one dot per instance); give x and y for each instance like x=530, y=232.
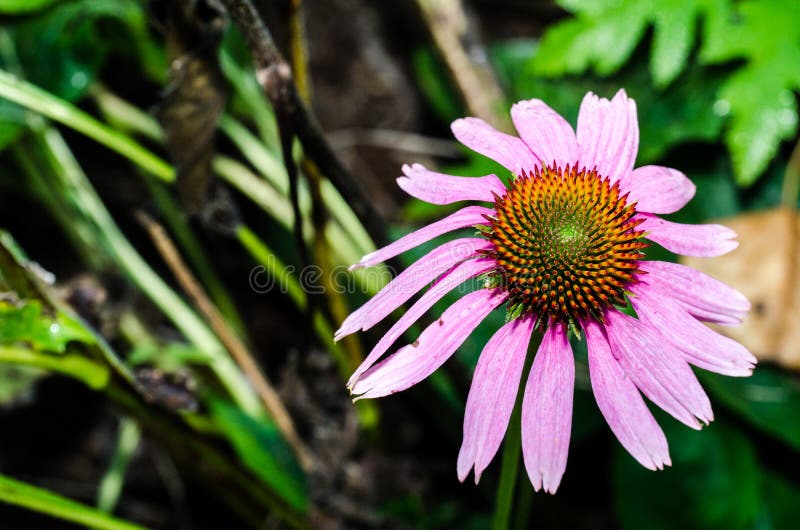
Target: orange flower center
x=566, y=244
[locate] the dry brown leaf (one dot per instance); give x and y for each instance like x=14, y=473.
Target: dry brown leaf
x=765, y=269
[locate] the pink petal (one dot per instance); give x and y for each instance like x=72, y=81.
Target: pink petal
x=435, y=345
x=469, y=216
x=702, y=295
x=622, y=404
x=492, y=395
x=547, y=410
x=507, y=150
x=657, y=369
x=409, y=282
x=700, y=345
x=704, y=241
x=453, y=278
x=547, y=134
x=658, y=189
x=437, y=188
x=608, y=135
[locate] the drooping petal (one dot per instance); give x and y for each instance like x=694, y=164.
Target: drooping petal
x=492, y=395
x=453, y=278
x=547, y=411
x=469, y=216
x=700, y=345
x=409, y=282
x=703, y=241
x=507, y=150
x=658, y=189
x=438, y=188
x=547, y=134
x=657, y=369
x=622, y=405
x=702, y=295
x=413, y=363
x=608, y=135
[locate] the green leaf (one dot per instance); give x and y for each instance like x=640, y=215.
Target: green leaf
x=35, y=309
x=673, y=38
x=63, y=50
x=781, y=504
x=758, y=96
x=764, y=114
x=562, y=52
x=766, y=34
x=437, y=87
x=713, y=483
x=602, y=35
x=25, y=323
x=261, y=448
x=683, y=113
x=16, y=7
x=768, y=400
x=40, y=500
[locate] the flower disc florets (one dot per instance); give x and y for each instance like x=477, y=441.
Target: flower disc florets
x=566, y=244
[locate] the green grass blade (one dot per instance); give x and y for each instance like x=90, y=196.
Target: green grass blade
x=43, y=501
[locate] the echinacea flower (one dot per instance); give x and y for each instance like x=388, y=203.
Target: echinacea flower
x=562, y=247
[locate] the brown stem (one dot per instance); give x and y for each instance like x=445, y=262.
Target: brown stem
x=232, y=343
x=336, y=306
x=447, y=25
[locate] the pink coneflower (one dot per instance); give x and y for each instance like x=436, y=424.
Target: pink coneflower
x=561, y=247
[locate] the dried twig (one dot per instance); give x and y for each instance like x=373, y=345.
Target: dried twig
x=232, y=343
x=275, y=77
x=475, y=80
x=394, y=141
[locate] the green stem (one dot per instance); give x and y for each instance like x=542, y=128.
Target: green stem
x=524, y=503
x=512, y=448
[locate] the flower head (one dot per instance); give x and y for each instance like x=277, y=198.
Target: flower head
x=562, y=246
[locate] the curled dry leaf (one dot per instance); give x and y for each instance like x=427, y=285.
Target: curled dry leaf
x=766, y=268
x=195, y=97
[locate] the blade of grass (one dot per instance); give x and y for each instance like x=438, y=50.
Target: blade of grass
x=43, y=501
x=92, y=374
x=123, y=115
x=270, y=167
x=111, y=484
x=69, y=173
x=44, y=103
x=268, y=192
